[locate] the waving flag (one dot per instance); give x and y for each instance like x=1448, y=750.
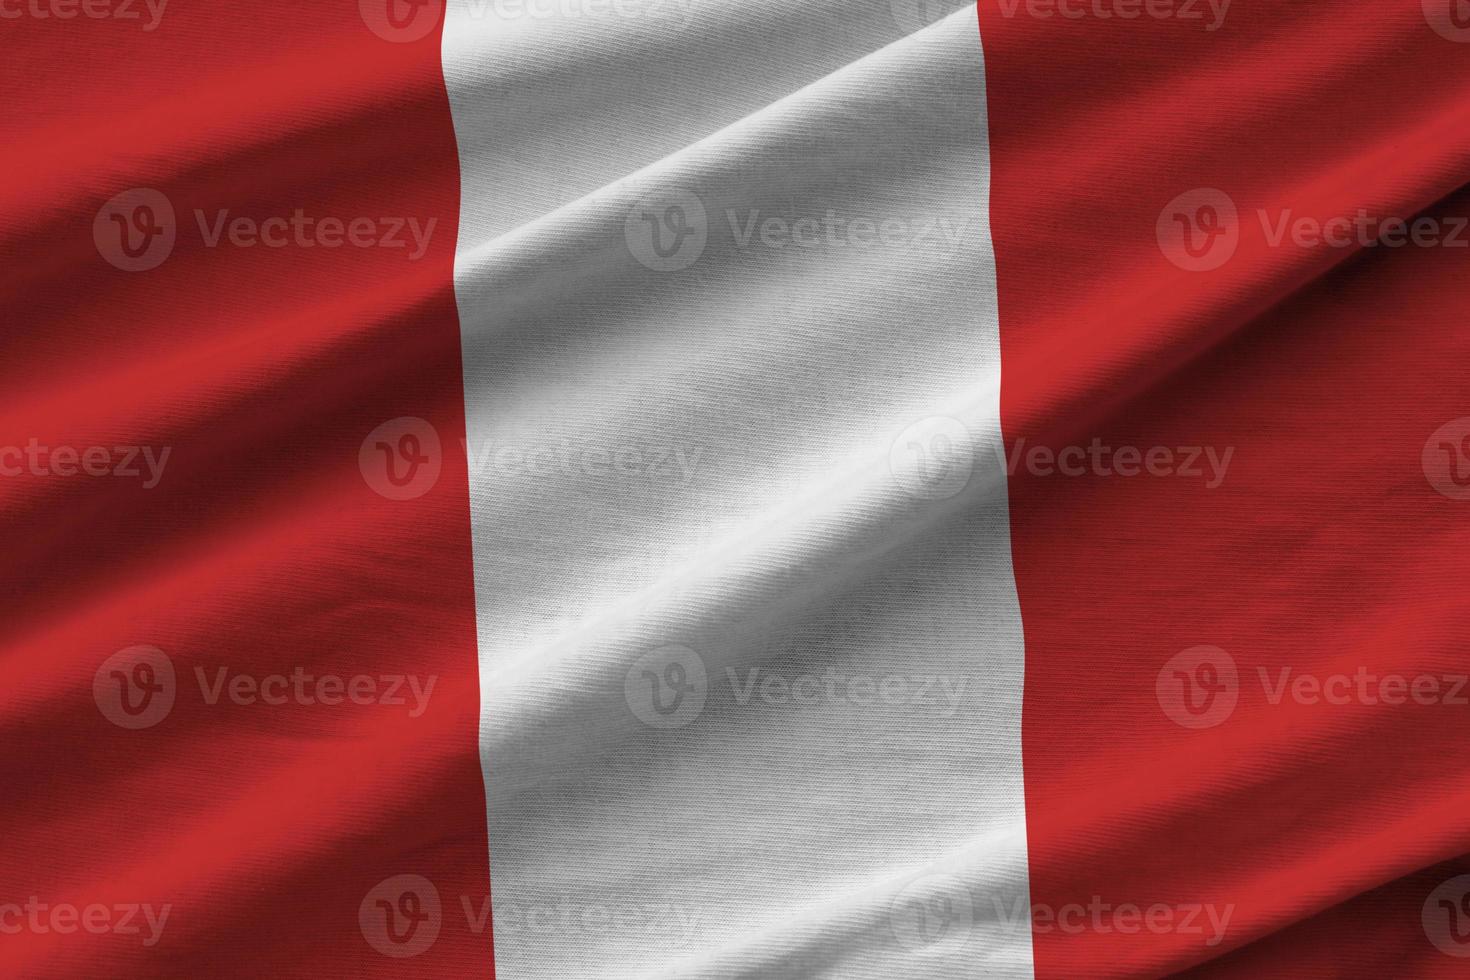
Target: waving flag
x=840, y=489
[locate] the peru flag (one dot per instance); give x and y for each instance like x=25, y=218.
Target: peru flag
x=795, y=489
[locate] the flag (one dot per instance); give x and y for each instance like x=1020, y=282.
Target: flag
x=839, y=489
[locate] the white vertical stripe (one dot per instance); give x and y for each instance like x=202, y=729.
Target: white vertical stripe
x=750, y=651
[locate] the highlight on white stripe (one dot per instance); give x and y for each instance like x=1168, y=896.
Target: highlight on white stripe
x=750, y=649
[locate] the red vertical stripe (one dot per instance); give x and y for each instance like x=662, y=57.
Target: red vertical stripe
x=263, y=550
x=1326, y=549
